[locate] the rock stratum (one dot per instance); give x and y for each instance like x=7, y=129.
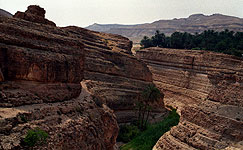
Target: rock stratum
x=192, y=24
x=207, y=90
x=62, y=80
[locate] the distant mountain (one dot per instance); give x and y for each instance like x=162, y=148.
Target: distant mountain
x=192, y=24
x=4, y=13
x=107, y=27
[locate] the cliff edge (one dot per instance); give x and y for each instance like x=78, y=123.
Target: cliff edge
x=206, y=88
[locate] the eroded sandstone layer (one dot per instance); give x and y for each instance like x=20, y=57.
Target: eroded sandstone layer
x=207, y=90
x=41, y=67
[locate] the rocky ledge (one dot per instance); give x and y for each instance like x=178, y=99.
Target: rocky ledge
x=207, y=90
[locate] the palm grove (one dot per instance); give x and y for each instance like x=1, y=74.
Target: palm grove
x=226, y=41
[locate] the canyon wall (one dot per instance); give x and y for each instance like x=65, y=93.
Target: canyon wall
x=112, y=73
x=62, y=80
x=41, y=70
x=207, y=90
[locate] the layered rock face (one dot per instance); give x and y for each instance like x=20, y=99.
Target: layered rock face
x=43, y=54
x=111, y=72
x=207, y=90
x=41, y=67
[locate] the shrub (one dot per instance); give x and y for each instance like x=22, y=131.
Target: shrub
x=23, y=118
x=35, y=137
x=127, y=133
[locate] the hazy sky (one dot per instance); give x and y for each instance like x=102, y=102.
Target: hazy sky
x=85, y=12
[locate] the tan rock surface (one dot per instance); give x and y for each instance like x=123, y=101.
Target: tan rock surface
x=207, y=90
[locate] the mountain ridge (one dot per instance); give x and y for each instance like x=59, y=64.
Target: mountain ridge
x=192, y=24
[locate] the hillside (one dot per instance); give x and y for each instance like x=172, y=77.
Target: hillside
x=192, y=24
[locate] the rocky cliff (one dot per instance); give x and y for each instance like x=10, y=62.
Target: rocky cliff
x=207, y=90
x=41, y=67
x=111, y=72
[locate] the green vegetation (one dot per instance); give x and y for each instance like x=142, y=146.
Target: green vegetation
x=23, y=118
x=149, y=95
x=227, y=42
x=139, y=134
x=147, y=139
x=127, y=133
x=35, y=137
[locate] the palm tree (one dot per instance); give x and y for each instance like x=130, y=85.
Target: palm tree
x=150, y=95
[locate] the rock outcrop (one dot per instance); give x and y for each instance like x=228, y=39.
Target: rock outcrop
x=206, y=88
x=36, y=14
x=41, y=67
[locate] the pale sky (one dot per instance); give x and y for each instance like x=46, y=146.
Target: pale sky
x=86, y=12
